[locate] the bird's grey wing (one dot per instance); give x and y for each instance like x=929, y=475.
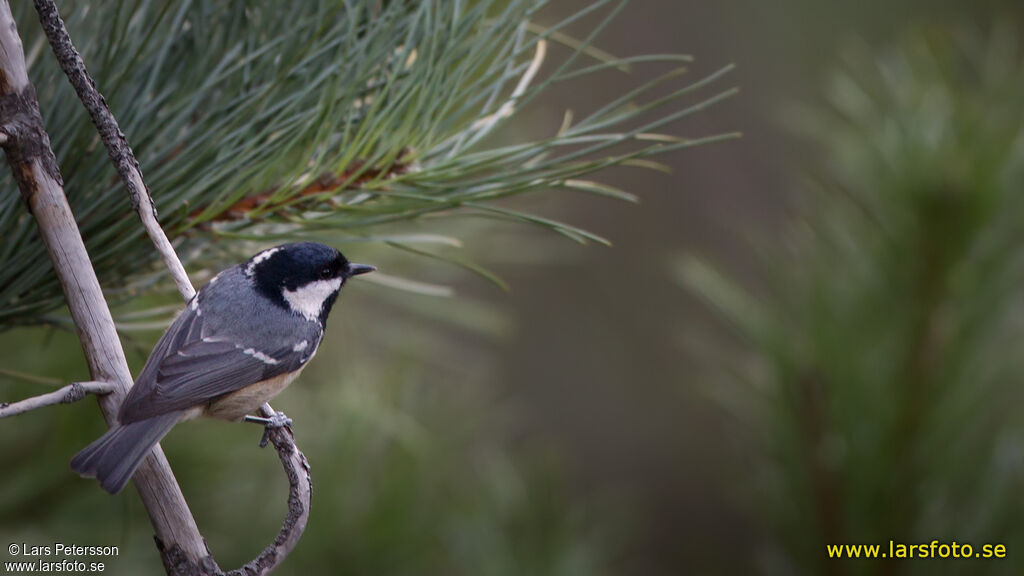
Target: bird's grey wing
x=201, y=371
x=186, y=328
x=192, y=364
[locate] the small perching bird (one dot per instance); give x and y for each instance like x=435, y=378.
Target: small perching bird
x=239, y=342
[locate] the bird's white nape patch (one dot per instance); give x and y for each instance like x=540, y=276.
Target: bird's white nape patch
x=259, y=356
x=300, y=346
x=309, y=300
x=259, y=258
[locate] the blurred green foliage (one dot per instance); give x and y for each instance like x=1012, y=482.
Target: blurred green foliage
x=883, y=387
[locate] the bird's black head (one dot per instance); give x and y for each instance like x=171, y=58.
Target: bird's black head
x=304, y=277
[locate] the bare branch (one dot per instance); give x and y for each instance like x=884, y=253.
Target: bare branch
x=114, y=140
x=66, y=395
x=300, y=492
x=35, y=169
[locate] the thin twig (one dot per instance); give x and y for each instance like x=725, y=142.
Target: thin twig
x=294, y=461
x=114, y=140
x=35, y=169
x=66, y=395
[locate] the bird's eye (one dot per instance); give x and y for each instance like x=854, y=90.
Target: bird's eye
x=326, y=273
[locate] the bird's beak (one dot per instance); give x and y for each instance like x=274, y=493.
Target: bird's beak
x=357, y=269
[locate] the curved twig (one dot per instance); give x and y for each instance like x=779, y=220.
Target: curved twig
x=300, y=492
x=66, y=395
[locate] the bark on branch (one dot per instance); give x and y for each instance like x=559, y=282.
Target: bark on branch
x=34, y=167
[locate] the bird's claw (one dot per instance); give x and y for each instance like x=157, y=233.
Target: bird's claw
x=278, y=420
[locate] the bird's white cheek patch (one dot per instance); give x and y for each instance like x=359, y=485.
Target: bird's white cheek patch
x=309, y=300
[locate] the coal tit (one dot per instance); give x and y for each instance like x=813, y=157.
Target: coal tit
x=239, y=342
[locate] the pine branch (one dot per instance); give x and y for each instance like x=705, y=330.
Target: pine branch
x=34, y=167
x=325, y=123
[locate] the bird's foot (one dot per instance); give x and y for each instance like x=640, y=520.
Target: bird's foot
x=278, y=420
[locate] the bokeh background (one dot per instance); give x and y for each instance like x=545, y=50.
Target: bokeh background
x=802, y=337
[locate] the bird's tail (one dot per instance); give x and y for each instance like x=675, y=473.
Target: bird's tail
x=113, y=458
